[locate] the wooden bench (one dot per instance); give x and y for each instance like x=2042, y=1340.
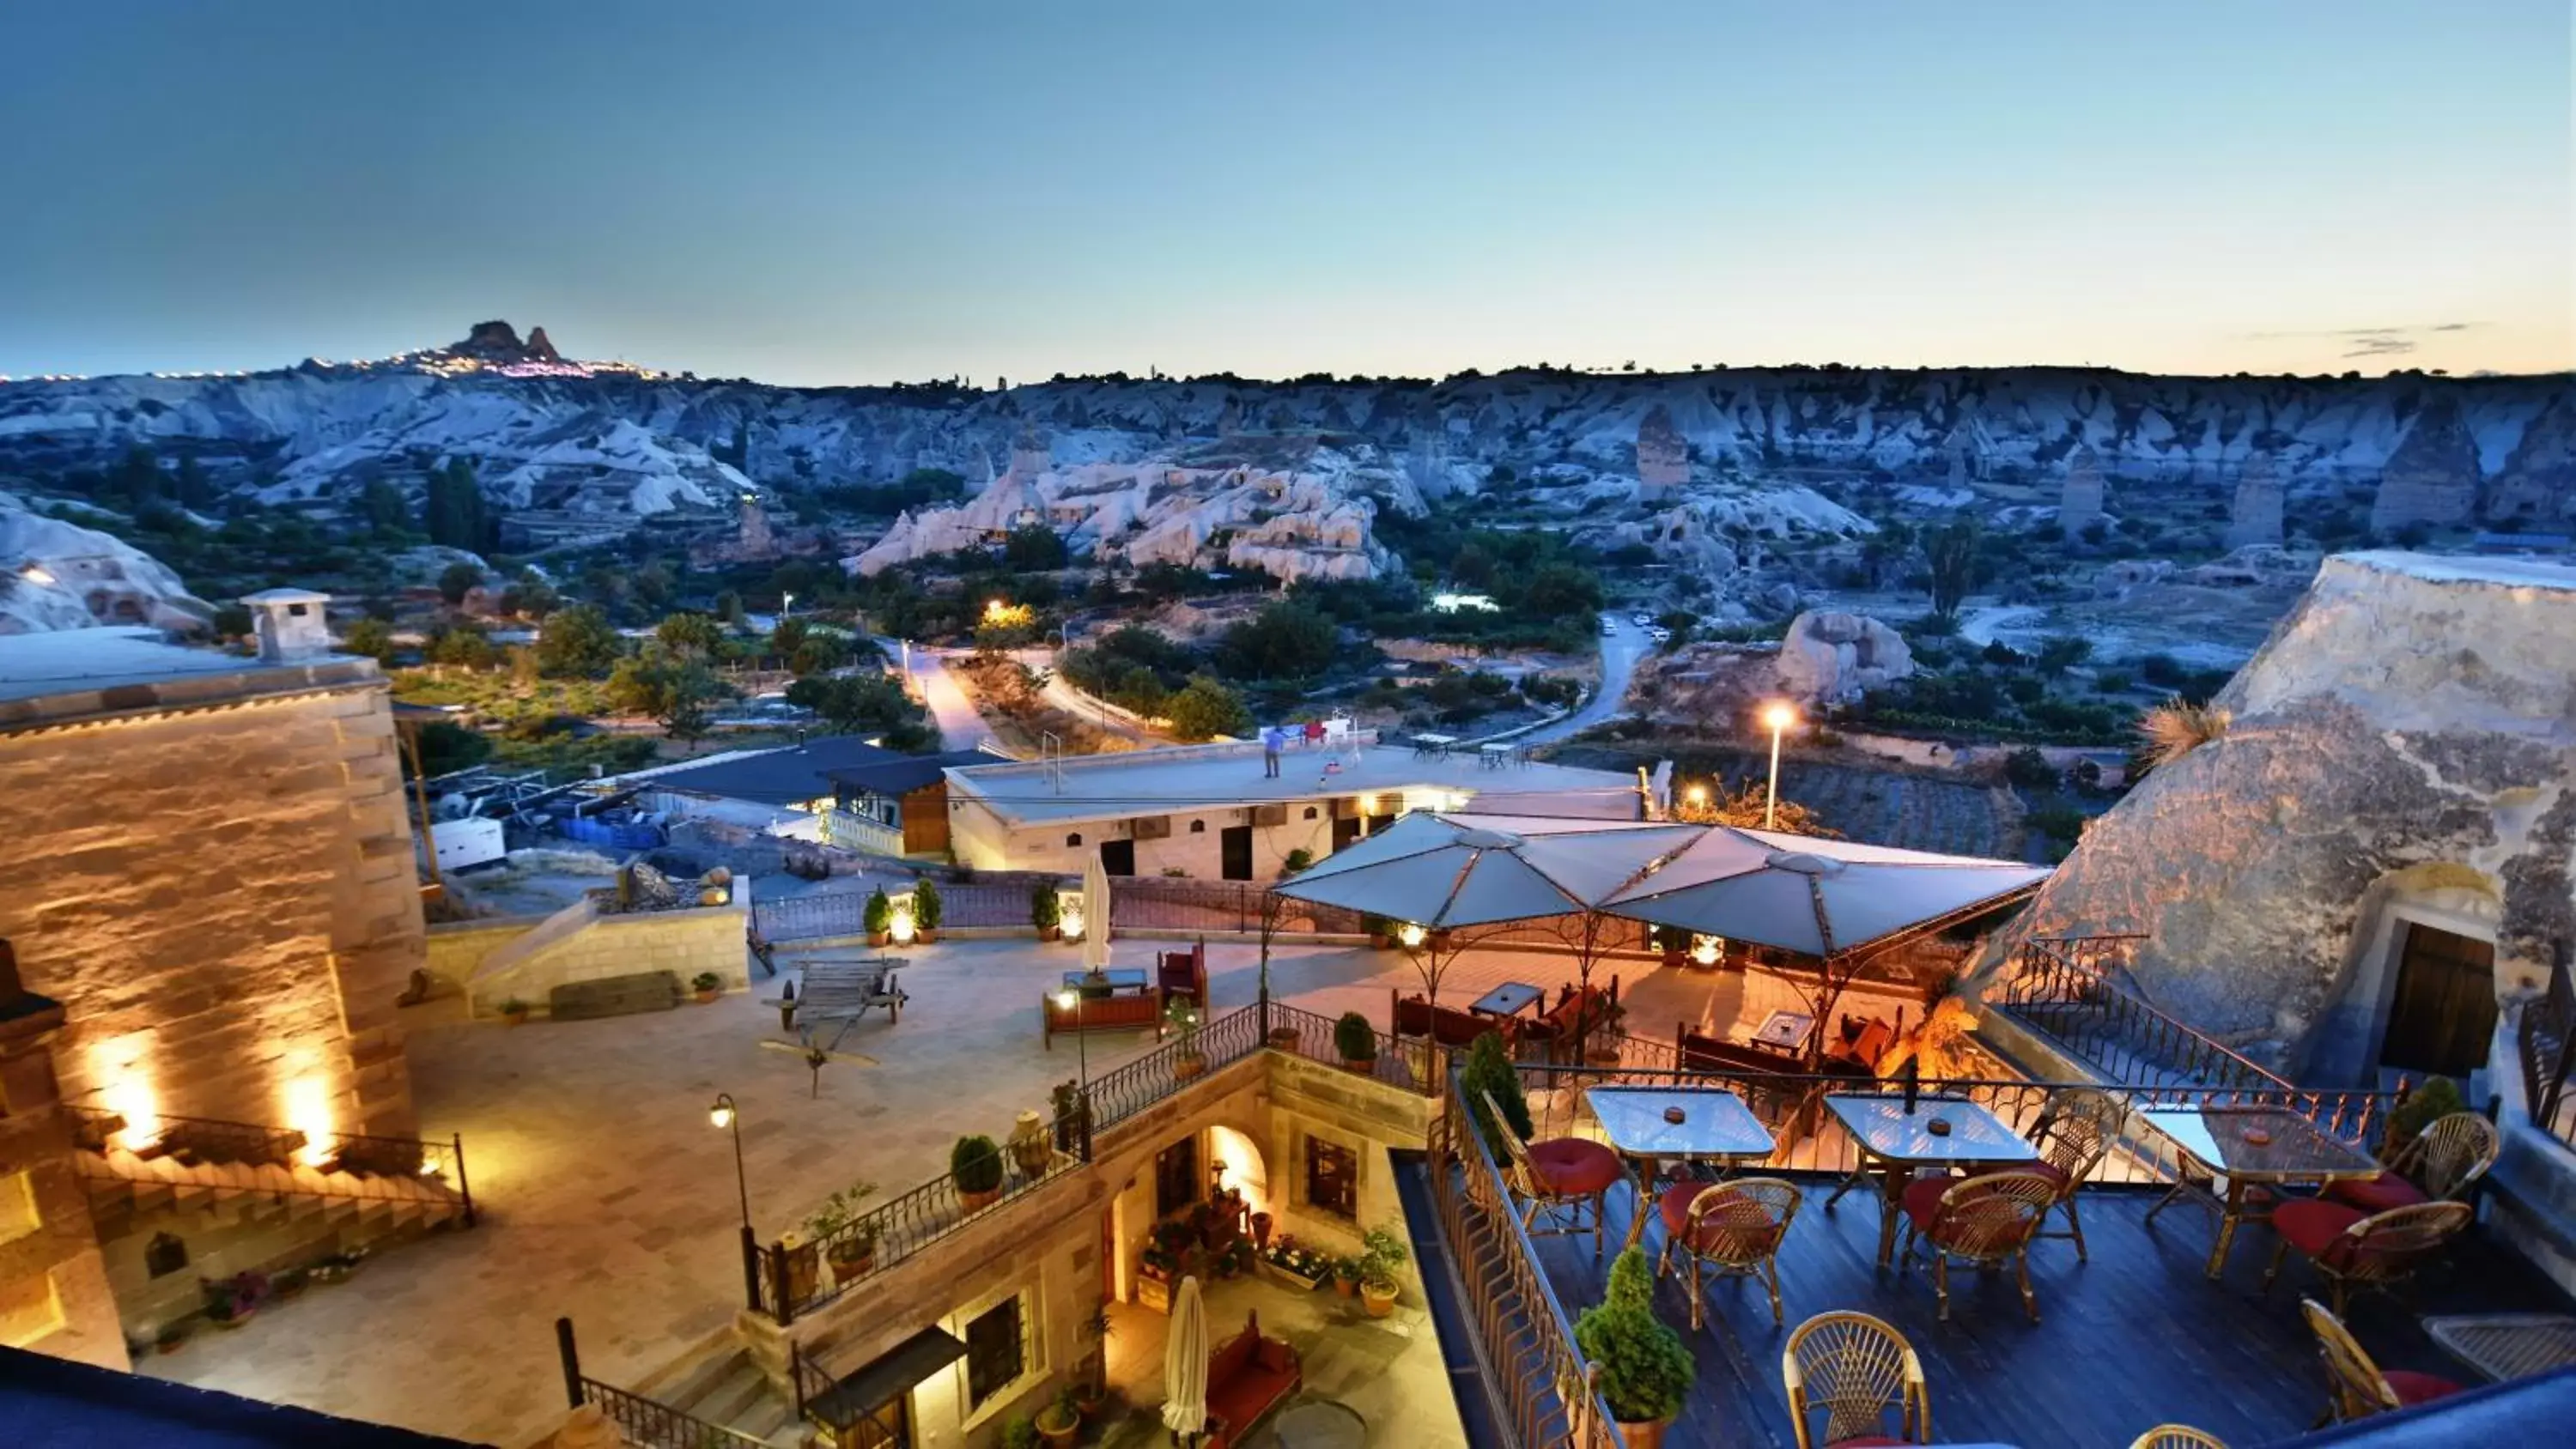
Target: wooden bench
x=1414, y=1016
x=614, y=996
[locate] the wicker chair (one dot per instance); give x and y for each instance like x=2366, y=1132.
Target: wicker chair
x=1988, y=1221
x=2074, y=1132
x=1561, y=1176
x=2177, y=1436
x=1729, y=1229
x=1855, y=1368
x=2358, y=1387
x=2441, y=1164
x=2352, y=1249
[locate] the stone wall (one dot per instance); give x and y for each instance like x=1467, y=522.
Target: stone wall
x=223, y=898
x=54, y=1294
x=683, y=942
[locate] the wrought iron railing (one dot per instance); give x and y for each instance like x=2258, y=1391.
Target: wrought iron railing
x=2545, y=1037
x=646, y=1423
x=351, y=1165
x=2068, y=990
x=1538, y=1379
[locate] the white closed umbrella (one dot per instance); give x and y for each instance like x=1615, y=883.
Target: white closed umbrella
x=1095, y=916
x=1185, y=1363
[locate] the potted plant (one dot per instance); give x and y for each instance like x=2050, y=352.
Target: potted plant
x=1346, y=1276
x=1645, y=1369
x=1091, y=1376
x=514, y=1011
x=708, y=986
x=289, y=1284
x=1045, y=911
x=1489, y=1073
x=1381, y=931
x=1020, y=1434
x=1072, y=1115
x=1187, y=1060
x=1292, y=1264
x=976, y=1164
x=337, y=1267
x=234, y=1301
x=1031, y=1152
x=2437, y=1098
x=1060, y=1420
x=849, y=1244
x=925, y=911
x=1674, y=944
x=1356, y=1040
x=171, y=1336
x=1382, y=1256
x=877, y=918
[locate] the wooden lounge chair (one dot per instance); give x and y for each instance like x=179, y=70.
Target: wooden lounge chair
x=1855, y=1368
x=1561, y=1176
x=2074, y=1132
x=2352, y=1249
x=1988, y=1221
x=1183, y=974
x=2177, y=1436
x=2441, y=1164
x=1729, y=1229
x=2357, y=1387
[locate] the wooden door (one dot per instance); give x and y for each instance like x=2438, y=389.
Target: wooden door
x=2443, y=1015
x=1234, y=851
x=1118, y=857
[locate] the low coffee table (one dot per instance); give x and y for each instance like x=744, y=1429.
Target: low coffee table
x=1318, y=1424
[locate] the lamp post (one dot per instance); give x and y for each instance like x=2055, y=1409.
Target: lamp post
x=1070, y=999
x=1778, y=716
x=723, y=1115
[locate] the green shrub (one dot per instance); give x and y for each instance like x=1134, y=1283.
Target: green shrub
x=2030, y=769
x=2439, y=1097
x=1354, y=1038
x=925, y=905
x=1489, y=1072
x=1646, y=1371
x=879, y=914
x=976, y=1163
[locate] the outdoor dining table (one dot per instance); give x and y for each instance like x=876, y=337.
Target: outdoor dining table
x=1124, y=982
x=2248, y=1147
x=1508, y=1000
x=1716, y=1127
x=1899, y=1143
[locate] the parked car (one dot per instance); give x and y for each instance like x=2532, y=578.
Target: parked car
x=1660, y=636
x=1609, y=626
x=1641, y=620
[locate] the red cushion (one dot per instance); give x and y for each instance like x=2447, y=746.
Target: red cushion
x=1275, y=1357
x=1923, y=1198
x=2312, y=1225
x=2414, y=1388
x=1750, y=1232
x=2055, y=1174
x=1232, y=1358
x=2376, y=1194
x=1574, y=1166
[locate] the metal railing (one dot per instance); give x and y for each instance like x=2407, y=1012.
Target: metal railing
x=352, y=1165
x=644, y=1422
x=2065, y=988
x=2545, y=1037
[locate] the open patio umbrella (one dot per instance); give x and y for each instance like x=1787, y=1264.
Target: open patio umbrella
x=1821, y=898
x=1095, y=916
x=1185, y=1363
x=1442, y=871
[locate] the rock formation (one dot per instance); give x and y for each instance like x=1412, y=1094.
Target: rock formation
x=1663, y=456
x=2432, y=477
x=2537, y=484
x=2079, y=502
x=2408, y=735
x=2255, y=517
x=57, y=575
x=1833, y=658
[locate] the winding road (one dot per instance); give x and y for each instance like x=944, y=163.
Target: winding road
x=1620, y=650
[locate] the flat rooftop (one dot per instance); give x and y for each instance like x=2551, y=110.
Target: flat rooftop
x=72, y=672
x=1145, y=782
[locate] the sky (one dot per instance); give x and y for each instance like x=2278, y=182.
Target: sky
x=851, y=192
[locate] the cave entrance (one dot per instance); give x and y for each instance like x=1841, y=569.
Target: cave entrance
x=2442, y=1016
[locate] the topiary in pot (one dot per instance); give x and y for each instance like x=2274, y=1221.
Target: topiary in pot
x=1646, y=1371
x=976, y=1163
x=1356, y=1040
x=1489, y=1072
x=925, y=909
x=878, y=917
x=1045, y=911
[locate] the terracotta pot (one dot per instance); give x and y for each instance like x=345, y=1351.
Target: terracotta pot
x=976, y=1202
x=514, y=1018
x=1674, y=957
x=1284, y=1038
x=1378, y=1299
x=236, y=1321
x=878, y=939
x=925, y=938
x=170, y=1345
x=1347, y=1287
x=1184, y=1068
x=1648, y=1435
x=1260, y=1232
x=851, y=1263
x=708, y=998
x=1049, y=933
x=1365, y=1066
x=1055, y=1438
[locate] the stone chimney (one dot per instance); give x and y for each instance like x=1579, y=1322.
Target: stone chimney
x=289, y=624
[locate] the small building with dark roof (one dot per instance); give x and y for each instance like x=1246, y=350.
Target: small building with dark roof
x=897, y=806
x=797, y=777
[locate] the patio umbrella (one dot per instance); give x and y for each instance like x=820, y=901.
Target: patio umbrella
x=1441, y=871
x=1185, y=1362
x=1095, y=916
x=1821, y=898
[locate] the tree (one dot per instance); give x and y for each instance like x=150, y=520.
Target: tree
x=788, y=636
x=457, y=580
x=463, y=644
x=1032, y=548
x=373, y=638
x=1745, y=810
x=1283, y=641
x=819, y=654
x=690, y=635
x=2059, y=653
x=529, y=596
x=1950, y=566
x=577, y=644
x=1206, y=708
x=446, y=747
x=382, y=505
x=729, y=609
x=870, y=704
x=452, y=507
x=673, y=689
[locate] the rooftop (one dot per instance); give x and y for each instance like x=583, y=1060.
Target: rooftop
x=790, y=775
x=73, y=669
x=907, y=773
x=1090, y=787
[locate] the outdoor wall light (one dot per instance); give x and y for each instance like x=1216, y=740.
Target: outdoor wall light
x=1697, y=794
x=1410, y=934
x=902, y=928
x=1069, y=926
x=1706, y=949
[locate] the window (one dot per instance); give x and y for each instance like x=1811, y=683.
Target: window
x=997, y=1351
x=1198, y=827
x=1176, y=1177
x=1074, y=839
x=1310, y=812
x=1332, y=1178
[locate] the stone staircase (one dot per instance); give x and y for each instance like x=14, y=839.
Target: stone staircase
x=360, y=1188
x=729, y=1390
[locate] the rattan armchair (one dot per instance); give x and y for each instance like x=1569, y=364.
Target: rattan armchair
x=1729, y=1229
x=2177, y=1436
x=1856, y=1369
x=1988, y=1221
x=2441, y=1164
x=2357, y=1387
x=2352, y=1250
x=1564, y=1178
x=2074, y=1132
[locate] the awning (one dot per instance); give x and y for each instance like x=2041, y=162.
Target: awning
x=854, y=1396
x=1816, y=897
x=1441, y=871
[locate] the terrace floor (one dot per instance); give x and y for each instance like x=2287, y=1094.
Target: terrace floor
x=2135, y=1338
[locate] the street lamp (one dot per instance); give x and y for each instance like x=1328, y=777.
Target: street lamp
x=786, y=605
x=723, y=1116
x=1071, y=1000
x=1777, y=716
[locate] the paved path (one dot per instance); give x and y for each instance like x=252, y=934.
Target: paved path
x=960, y=726
x=1980, y=625
x=1620, y=652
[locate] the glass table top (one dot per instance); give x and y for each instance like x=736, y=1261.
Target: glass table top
x=1714, y=1123
x=1121, y=977
x=1879, y=1122
x=2260, y=1143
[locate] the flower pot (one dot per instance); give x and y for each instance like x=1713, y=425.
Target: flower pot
x=707, y=997
x=1365, y=1066
x=923, y=937
x=1184, y=1068
x=1089, y=1397
x=1260, y=1232
x=852, y=1260
x=1347, y=1287
x=976, y=1202
x=1057, y=1435
x=236, y=1321
x=1646, y=1435
x=880, y=939
x=1048, y=933
x=515, y=1018
x=1378, y=1299
x=1284, y=1038
x=170, y=1343
x=1674, y=958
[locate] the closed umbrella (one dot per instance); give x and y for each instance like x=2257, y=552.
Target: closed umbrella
x=1185, y=1363
x=1095, y=916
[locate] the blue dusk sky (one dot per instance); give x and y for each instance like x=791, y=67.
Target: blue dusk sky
x=852, y=192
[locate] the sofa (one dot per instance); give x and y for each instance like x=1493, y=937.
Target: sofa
x=1248, y=1376
x=1415, y=1016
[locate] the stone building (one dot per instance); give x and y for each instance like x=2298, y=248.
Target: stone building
x=2079, y=504
x=210, y=868
x=2255, y=517
x=54, y=1296
x=2432, y=477
x=1663, y=455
